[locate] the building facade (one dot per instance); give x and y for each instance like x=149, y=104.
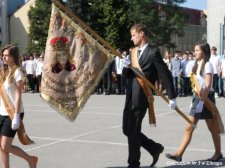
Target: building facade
x=216, y=21
x=20, y=20
x=195, y=30
x=7, y=8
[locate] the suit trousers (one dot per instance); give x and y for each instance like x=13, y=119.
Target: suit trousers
x=132, y=121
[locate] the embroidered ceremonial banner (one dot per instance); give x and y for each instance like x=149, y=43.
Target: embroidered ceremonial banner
x=75, y=60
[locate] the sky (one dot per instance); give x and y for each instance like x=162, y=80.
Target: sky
x=195, y=4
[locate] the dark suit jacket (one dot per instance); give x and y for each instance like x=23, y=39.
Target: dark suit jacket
x=154, y=68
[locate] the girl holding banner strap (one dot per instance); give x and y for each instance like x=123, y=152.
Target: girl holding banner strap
x=198, y=110
x=12, y=83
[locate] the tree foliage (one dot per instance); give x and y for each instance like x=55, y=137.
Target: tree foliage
x=39, y=17
x=107, y=17
x=163, y=17
x=112, y=19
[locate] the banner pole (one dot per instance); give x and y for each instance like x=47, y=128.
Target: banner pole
x=136, y=71
x=113, y=51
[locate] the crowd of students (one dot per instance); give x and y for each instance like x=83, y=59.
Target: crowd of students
x=112, y=81
x=179, y=63
x=32, y=66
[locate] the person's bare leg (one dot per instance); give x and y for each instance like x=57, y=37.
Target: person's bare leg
x=7, y=147
x=186, y=138
x=5, y=159
x=216, y=138
x=21, y=153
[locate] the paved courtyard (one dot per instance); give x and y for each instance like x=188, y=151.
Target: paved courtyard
x=95, y=138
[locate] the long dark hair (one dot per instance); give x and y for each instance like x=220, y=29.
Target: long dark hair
x=14, y=53
x=206, y=56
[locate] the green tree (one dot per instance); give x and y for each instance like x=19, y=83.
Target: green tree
x=39, y=17
x=80, y=8
x=107, y=17
x=163, y=17
x=111, y=21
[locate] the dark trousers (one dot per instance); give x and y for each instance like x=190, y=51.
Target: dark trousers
x=186, y=86
x=215, y=83
x=39, y=82
x=220, y=86
x=107, y=79
x=121, y=84
x=132, y=121
x=30, y=78
x=177, y=85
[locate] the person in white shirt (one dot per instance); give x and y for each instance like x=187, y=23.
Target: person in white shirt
x=185, y=76
x=190, y=66
x=149, y=60
x=39, y=71
x=30, y=71
x=222, y=67
x=12, y=77
x=118, y=71
x=221, y=78
x=167, y=59
x=204, y=74
x=176, y=72
x=214, y=60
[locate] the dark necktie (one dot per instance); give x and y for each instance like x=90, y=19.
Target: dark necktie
x=139, y=54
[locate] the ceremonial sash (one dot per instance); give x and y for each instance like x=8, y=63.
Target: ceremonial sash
x=209, y=105
x=145, y=87
x=23, y=137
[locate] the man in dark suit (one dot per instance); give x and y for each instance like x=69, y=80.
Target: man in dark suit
x=153, y=67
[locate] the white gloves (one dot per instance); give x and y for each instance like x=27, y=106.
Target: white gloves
x=199, y=106
x=15, y=121
x=172, y=104
x=126, y=62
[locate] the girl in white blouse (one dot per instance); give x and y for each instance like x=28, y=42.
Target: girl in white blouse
x=12, y=77
x=204, y=74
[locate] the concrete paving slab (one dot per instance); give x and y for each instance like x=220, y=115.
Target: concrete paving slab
x=95, y=138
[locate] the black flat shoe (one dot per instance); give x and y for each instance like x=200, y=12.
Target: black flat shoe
x=217, y=159
x=176, y=158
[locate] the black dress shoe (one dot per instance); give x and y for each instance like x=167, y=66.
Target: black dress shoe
x=176, y=158
x=156, y=156
x=217, y=159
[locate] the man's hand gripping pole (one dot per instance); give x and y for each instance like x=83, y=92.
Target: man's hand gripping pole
x=137, y=72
